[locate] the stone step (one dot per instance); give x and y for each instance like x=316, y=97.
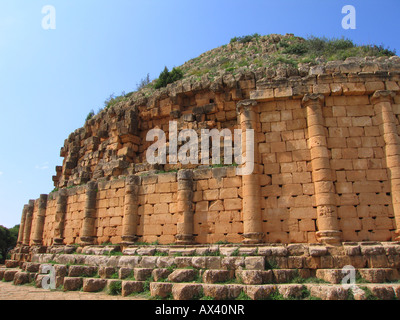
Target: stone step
x=183, y=284
x=12, y=263
x=189, y=291
x=377, y=275
x=8, y=274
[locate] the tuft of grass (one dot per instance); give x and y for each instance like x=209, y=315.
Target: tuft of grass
x=368, y=294
x=115, y=288
x=271, y=264
x=90, y=115
x=245, y=39
x=161, y=254
x=146, y=285
x=243, y=296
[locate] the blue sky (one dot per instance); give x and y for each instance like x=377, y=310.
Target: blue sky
x=51, y=79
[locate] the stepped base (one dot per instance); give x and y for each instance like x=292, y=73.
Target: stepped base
x=295, y=271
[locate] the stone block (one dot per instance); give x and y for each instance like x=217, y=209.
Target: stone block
x=142, y=274
x=186, y=291
x=216, y=276
x=129, y=287
x=160, y=274
x=106, y=272
x=183, y=275
x=21, y=278
x=255, y=263
x=94, y=285
x=260, y=292
x=218, y=292
x=72, y=284
x=160, y=289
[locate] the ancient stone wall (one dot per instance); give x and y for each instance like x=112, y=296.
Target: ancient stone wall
x=327, y=164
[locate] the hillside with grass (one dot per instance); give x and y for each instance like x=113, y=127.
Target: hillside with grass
x=279, y=55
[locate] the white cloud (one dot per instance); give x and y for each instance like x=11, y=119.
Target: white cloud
x=43, y=166
x=1, y=173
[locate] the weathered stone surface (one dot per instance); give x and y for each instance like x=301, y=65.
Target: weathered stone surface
x=247, y=251
x=9, y=275
x=21, y=278
x=106, y=272
x=213, y=262
x=372, y=250
x=296, y=249
x=160, y=274
x=148, y=262
x=142, y=274
x=95, y=260
x=183, y=262
x=32, y=267
x=94, y=285
x=333, y=276
x=182, y=251
x=233, y=263
x=11, y=264
x=65, y=259
x=255, y=263
x=100, y=250
x=218, y=292
x=376, y=275
x=352, y=250
x=129, y=262
x=250, y=276
x=124, y=273
x=129, y=287
x=260, y=292
x=317, y=251
x=291, y=290
x=186, y=291
x=183, y=275
x=284, y=275
x=81, y=271
x=382, y=292
x=165, y=262
x=328, y=292
x=129, y=251
x=160, y=289
x=146, y=251
x=227, y=251
x=216, y=276
x=234, y=290
x=72, y=284
x=42, y=258
x=61, y=270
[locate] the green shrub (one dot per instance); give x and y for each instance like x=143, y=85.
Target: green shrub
x=245, y=39
x=115, y=288
x=90, y=115
x=143, y=83
x=296, y=48
x=167, y=77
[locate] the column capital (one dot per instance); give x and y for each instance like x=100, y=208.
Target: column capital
x=91, y=186
x=245, y=105
x=133, y=180
x=43, y=201
x=313, y=98
x=383, y=96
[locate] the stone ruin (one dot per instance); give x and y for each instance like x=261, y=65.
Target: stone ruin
x=326, y=170
x=326, y=179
